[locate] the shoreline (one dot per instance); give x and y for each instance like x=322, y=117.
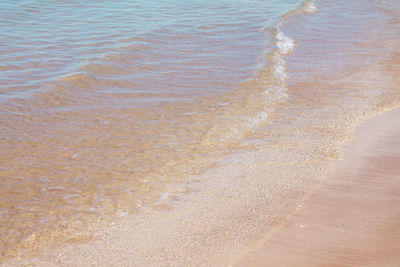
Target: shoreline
x=253, y=186
x=330, y=228
x=353, y=218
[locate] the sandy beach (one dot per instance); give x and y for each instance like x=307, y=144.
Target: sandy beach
x=353, y=219
x=170, y=133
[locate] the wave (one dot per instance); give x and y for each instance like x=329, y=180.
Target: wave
x=309, y=7
x=142, y=150
x=284, y=46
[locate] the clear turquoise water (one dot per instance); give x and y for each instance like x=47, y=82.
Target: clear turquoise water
x=169, y=47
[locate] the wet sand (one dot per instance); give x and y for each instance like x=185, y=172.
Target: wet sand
x=353, y=219
x=188, y=143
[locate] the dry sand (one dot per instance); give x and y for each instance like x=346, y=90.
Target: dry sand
x=353, y=219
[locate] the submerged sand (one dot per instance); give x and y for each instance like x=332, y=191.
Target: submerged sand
x=353, y=219
x=221, y=214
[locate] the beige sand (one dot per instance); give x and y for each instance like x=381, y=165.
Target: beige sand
x=354, y=218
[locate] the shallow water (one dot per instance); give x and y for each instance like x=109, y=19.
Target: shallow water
x=165, y=48
x=133, y=110
x=103, y=103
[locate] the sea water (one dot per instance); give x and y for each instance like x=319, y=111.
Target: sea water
x=108, y=108
x=104, y=102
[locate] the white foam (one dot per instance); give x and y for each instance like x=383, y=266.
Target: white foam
x=279, y=68
x=309, y=7
x=279, y=75
x=284, y=43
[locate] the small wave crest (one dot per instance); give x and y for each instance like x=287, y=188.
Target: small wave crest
x=279, y=73
x=309, y=7
x=284, y=43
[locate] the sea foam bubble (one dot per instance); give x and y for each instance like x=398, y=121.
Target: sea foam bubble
x=284, y=43
x=309, y=7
